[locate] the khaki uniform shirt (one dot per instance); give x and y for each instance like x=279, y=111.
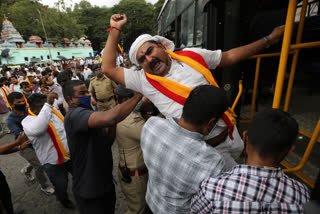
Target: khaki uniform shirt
x=103, y=89
x=128, y=138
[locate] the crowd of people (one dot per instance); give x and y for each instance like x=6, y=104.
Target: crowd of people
x=179, y=146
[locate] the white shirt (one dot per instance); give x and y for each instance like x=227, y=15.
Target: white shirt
x=4, y=91
x=187, y=76
x=119, y=60
x=86, y=73
x=36, y=130
x=180, y=73
x=15, y=88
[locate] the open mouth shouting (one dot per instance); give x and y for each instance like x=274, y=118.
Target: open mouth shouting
x=155, y=64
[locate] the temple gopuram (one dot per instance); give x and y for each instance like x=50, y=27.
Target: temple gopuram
x=15, y=50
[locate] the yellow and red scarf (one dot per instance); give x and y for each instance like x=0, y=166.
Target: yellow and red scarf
x=6, y=91
x=179, y=93
x=61, y=151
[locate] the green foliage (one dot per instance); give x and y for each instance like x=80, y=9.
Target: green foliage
x=141, y=19
x=84, y=20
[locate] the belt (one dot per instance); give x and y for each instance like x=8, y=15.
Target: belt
x=141, y=172
x=105, y=100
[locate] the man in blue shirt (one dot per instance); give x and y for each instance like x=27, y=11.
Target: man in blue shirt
x=90, y=148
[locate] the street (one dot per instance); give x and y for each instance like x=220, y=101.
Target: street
x=27, y=196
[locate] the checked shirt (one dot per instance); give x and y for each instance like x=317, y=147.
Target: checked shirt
x=250, y=189
x=178, y=161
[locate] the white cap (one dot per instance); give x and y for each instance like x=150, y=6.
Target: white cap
x=168, y=44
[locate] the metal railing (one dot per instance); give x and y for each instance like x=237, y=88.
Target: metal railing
x=286, y=50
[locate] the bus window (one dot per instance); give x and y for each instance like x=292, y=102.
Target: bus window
x=199, y=25
x=187, y=26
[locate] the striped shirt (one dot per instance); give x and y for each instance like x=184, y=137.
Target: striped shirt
x=250, y=189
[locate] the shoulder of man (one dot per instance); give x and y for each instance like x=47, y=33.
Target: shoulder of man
x=153, y=122
x=93, y=78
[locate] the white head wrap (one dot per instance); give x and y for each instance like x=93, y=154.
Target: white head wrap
x=169, y=45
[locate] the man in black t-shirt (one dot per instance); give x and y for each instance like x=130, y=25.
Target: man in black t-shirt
x=90, y=148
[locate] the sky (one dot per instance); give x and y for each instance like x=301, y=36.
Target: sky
x=100, y=3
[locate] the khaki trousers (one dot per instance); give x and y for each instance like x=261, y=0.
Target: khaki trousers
x=135, y=193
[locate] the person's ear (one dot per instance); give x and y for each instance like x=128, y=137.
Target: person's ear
x=244, y=136
x=69, y=99
x=212, y=122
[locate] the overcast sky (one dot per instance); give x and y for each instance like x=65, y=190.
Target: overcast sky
x=100, y=3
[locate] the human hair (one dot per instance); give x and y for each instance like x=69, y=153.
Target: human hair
x=43, y=73
x=123, y=92
x=272, y=133
x=13, y=77
x=67, y=89
x=204, y=103
x=35, y=82
x=55, y=73
x=24, y=84
x=14, y=96
x=63, y=77
x=69, y=72
x=36, y=99
x=2, y=80
x=23, y=71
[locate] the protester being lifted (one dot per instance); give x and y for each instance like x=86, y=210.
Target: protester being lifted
x=167, y=78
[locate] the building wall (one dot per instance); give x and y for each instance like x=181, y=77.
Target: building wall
x=17, y=56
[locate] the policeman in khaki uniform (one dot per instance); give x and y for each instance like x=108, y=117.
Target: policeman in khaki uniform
x=101, y=91
x=133, y=173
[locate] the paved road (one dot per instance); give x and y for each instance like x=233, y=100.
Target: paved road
x=27, y=195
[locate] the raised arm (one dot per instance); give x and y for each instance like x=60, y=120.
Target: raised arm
x=235, y=55
x=113, y=116
x=109, y=67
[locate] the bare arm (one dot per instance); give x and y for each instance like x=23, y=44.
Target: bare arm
x=93, y=101
x=114, y=115
x=109, y=67
x=20, y=143
x=238, y=54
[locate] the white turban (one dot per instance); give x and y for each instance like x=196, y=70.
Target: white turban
x=169, y=45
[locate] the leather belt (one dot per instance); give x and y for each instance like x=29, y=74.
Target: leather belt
x=141, y=172
x=105, y=100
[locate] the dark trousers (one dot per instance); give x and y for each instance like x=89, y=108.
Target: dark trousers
x=58, y=175
x=5, y=195
x=102, y=205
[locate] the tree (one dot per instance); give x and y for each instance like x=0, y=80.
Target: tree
x=158, y=7
x=58, y=24
x=95, y=19
x=141, y=19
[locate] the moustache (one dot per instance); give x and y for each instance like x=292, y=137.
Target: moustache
x=154, y=62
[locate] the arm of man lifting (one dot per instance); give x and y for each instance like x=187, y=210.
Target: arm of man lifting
x=235, y=55
x=109, y=67
x=19, y=144
x=115, y=115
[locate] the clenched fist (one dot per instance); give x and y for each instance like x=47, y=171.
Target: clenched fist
x=118, y=21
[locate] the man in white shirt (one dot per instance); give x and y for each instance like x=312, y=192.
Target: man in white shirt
x=86, y=72
x=44, y=127
x=15, y=86
x=4, y=90
x=150, y=54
